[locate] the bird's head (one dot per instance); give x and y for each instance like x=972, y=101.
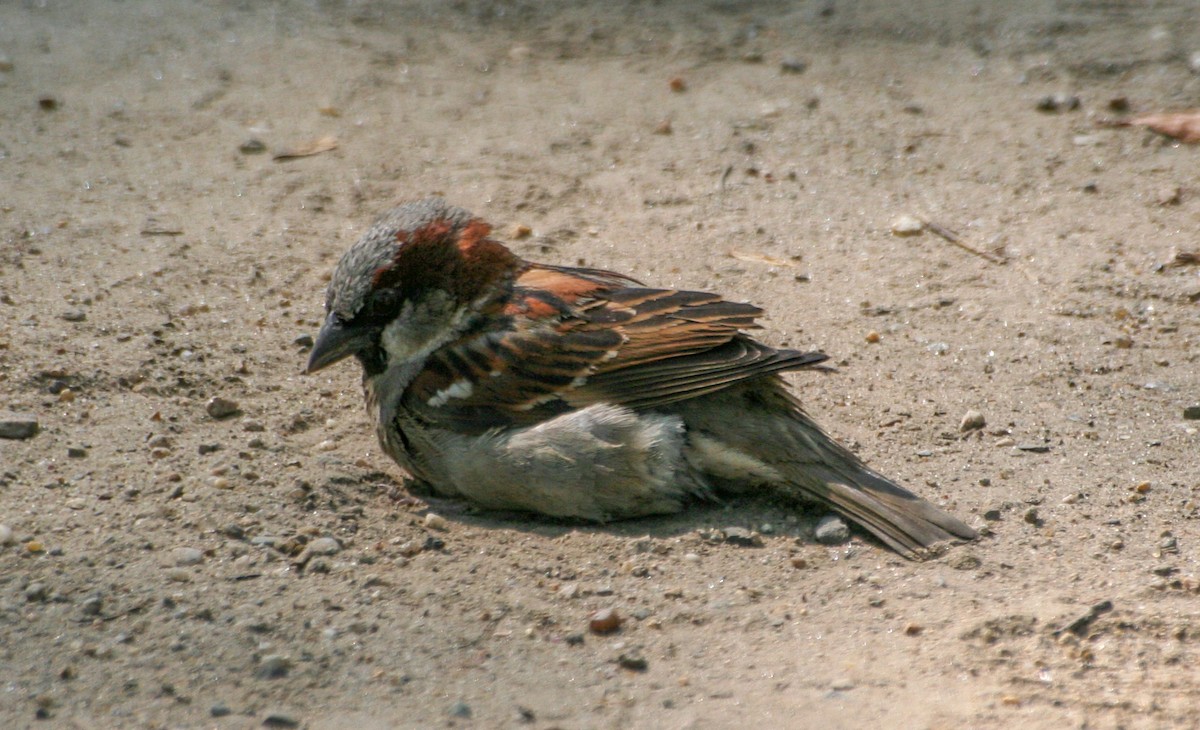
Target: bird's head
x=414, y=281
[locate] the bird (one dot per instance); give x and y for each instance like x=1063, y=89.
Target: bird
x=582, y=393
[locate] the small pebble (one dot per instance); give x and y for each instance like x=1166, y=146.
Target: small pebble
x=831, y=530
x=792, y=66
x=220, y=710
x=324, y=546
x=92, y=605
x=6, y=535
x=913, y=629
x=17, y=426
x=219, y=407
x=35, y=592
x=907, y=225
x=520, y=231
x=76, y=503
x=179, y=575
x=460, y=709
x=742, y=537
x=872, y=337
x=677, y=84
x=252, y=147
x=66, y=395
x=280, y=720
x=1192, y=413
x=798, y=562
x=436, y=522
x=633, y=661
x=604, y=621
x=1194, y=62
x=273, y=666
x=185, y=556
x=1056, y=103
x=1170, y=195
x=965, y=561
x=76, y=452
x=74, y=315
x=971, y=421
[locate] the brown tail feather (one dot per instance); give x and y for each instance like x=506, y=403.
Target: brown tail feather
x=903, y=521
x=772, y=428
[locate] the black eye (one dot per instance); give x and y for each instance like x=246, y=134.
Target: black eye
x=382, y=304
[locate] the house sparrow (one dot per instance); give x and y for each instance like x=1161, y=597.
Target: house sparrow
x=578, y=392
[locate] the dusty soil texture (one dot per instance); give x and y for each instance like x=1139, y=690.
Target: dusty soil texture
x=163, y=567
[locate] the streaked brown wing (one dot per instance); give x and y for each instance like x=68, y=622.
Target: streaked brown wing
x=574, y=337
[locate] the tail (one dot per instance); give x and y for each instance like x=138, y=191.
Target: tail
x=825, y=471
x=900, y=519
x=774, y=441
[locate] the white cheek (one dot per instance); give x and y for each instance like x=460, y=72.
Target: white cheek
x=398, y=337
x=420, y=329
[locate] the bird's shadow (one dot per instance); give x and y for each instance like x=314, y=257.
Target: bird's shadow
x=771, y=516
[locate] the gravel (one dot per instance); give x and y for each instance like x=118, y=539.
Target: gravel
x=831, y=530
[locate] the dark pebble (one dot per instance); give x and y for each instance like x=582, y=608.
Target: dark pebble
x=460, y=709
x=219, y=407
x=280, y=719
x=220, y=710
x=252, y=147
x=793, y=66
x=1192, y=413
x=17, y=426
x=633, y=661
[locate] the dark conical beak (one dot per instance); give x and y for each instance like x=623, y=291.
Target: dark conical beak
x=337, y=340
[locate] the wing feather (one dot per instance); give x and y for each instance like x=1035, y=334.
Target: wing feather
x=569, y=338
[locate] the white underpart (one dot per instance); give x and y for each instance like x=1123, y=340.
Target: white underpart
x=457, y=389
x=725, y=462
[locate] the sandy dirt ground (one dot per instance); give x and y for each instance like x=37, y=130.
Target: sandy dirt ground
x=165, y=567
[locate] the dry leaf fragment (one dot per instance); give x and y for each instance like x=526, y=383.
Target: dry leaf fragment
x=312, y=147
x=1185, y=258
x=1183, y=126
x=760, y=258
